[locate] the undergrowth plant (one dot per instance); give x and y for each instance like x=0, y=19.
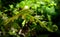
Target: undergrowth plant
x=25, y=16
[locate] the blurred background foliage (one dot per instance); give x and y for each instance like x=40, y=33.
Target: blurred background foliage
x=29, y=18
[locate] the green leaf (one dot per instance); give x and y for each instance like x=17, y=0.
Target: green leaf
x=34, y=6
x=23, y=23
x=50, y=11
x=22, y=4
x=11, y=6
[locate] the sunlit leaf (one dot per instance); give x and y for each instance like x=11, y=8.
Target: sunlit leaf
x=23, y=23
x=11, y=6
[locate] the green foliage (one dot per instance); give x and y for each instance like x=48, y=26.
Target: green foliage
x=28, y=15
